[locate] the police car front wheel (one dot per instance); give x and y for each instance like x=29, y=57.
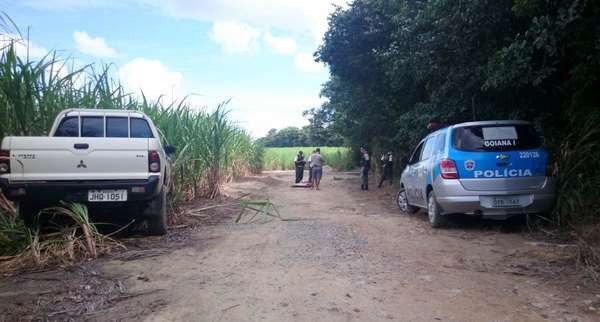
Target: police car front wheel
x=402, y=203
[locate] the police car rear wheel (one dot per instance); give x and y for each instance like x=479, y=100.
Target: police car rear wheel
x=402, y=202
x=436, y=220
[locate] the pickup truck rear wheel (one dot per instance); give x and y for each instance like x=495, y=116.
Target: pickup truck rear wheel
x=156, y=217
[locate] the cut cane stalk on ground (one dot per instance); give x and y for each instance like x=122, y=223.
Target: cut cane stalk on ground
x=263, y=209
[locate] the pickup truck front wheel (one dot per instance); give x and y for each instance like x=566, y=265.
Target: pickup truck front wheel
x=156, y=214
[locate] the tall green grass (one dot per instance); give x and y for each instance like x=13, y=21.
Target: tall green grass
x=339, y=158
x=210, y=148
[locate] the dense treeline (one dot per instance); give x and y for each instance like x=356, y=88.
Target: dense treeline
x=310, y=135
x=396, y=64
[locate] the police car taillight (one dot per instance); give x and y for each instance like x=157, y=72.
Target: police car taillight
x=153, y=161
x=4, y=161
x=448, y=169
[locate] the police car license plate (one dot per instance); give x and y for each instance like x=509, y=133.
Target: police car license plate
x=107, y=195
x=516, y=201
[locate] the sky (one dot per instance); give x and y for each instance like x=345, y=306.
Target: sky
x=258, y=53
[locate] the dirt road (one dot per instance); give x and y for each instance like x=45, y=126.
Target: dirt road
x=349, y=256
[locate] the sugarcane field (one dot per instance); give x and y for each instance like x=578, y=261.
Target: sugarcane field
x=339, y=160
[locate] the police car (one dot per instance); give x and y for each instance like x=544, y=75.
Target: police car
x=493, y=169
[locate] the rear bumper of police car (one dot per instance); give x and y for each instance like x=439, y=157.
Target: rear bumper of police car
x=453, y=198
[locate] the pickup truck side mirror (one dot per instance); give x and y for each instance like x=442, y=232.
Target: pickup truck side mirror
x=170, y=150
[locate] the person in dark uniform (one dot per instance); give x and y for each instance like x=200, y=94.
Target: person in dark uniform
x=365, y=167
x=387, y=169
x=299, y=162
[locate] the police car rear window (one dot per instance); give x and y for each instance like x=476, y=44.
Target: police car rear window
x=495, y=138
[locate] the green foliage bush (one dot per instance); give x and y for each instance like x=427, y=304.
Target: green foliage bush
x=397, y=64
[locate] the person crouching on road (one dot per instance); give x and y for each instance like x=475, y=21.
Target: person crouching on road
x=387, y=168
x=365, y=167
x=317, y=168
x=299, y=162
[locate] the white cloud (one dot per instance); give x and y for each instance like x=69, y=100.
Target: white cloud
x=235, y=37
x=282, y=45
x=23, y=48
x=258, y=112
x=306, y=63
x=298, y=16
x=301, y=16
x=94, y=46
x=151, y=77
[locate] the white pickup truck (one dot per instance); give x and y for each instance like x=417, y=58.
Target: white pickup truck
x=103, y=158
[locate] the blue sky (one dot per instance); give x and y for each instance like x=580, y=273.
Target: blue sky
x=256, y=52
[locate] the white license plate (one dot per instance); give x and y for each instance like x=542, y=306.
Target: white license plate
x=517, y=201
x=107, y=195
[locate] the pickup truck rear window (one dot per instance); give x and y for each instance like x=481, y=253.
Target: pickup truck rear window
x=495, y=138
x=116, y=127
x=92, y=127
x=69, y=127
x=140, y=129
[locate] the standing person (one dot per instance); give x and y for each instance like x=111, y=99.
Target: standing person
x=317, y=162
x=365, y=167
x=434, y=125
x=310, y=167
x=299, y=162
x=387, y=169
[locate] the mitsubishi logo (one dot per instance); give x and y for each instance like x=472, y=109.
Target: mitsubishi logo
x=503, y=157
x=81, y=164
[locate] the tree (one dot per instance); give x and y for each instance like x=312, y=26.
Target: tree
x=395, y=64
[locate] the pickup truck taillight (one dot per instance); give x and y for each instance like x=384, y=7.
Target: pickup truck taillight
x=4, y=161
x=153, y=161
x=448, y=169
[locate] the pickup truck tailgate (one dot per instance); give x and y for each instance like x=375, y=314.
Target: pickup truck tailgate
x=72, y=159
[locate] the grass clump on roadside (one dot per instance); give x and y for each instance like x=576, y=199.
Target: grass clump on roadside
x=68, y=237
x=339, y=158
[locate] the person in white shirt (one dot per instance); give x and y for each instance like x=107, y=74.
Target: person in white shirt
x=310, y=167
x=317, y=163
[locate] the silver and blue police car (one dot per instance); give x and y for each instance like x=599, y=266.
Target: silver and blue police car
x=494, y=169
